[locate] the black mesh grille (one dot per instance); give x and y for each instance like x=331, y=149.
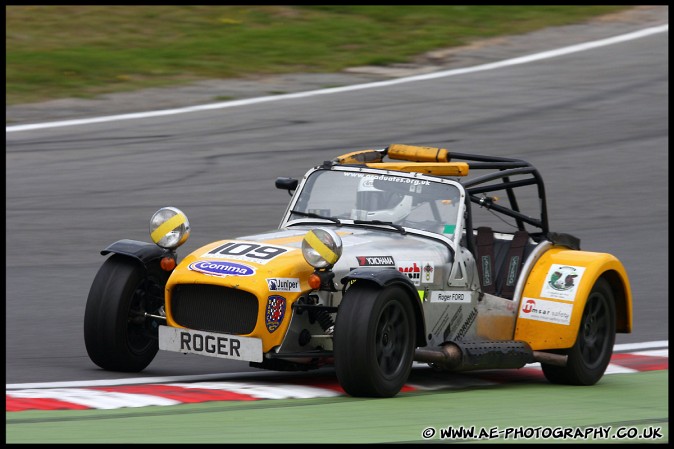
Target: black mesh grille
x=214, y=308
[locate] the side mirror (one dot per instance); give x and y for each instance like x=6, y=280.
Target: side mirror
x=288, y=184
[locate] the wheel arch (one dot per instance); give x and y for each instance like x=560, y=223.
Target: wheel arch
x=542, y=334
x=144, y=252
x=385, y=278
x=623, y=301
x=114, y=340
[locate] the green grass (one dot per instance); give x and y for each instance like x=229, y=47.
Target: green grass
x=618, y=401
x=83, y=51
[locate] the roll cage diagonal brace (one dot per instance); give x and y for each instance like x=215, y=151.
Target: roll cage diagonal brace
x=508, y=186
x=500, y=179
x=505, y=169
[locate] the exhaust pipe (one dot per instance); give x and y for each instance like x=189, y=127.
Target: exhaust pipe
x=550, y=359
x=448, y=356
x=466, y=356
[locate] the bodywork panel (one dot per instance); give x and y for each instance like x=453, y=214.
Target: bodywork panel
x=271, y=265
x=555, y=293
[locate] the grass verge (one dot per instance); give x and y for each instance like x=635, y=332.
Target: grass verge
x=83, y=51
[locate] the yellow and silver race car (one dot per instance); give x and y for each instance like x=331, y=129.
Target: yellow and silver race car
x=378, y=262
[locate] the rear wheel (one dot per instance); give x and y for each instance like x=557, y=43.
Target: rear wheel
x=374, y=340
x=591, y=354
x=117, y=335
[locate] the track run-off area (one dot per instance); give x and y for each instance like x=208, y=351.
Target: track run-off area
x=494, y=405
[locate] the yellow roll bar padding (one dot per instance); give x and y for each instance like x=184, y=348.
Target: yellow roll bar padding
x=168, y=226
x=417, y=154
x=360, y=157
x=431, y=168
x=320, y=247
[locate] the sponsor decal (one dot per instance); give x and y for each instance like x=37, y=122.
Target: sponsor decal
x=429, y=268
x=375, y=261
x=562, y=282
x=247, y=252
x=454, y=322
x=283, y=284
x=276, y=308
x=418, y=273
x=449, y=229
x=512, y=271
x=486, y=270
x=528, y=305
x=372, y=178
x=548, y=311
x=466, y=325
x=412, y=271
x=221, y=269
x=456, y=319
x=450, y=296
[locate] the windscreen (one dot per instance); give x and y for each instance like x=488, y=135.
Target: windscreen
x=410, y=202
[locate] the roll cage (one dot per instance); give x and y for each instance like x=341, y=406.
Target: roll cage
x=493, y=174
x=497, y=176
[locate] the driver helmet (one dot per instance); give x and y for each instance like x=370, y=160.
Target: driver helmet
x=375, y=204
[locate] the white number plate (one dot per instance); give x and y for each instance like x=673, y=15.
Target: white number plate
x=210, y=344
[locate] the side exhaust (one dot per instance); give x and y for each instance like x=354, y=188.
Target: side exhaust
x=466, y=356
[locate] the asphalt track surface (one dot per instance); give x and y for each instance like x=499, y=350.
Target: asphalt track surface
x=594, y=123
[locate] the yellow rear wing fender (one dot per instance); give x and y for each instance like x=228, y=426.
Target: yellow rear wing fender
x=556, y=291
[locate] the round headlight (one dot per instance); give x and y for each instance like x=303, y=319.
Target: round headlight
x=321, y=247
x=169, y=227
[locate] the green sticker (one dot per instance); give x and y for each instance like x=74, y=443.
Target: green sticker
x=449, y=229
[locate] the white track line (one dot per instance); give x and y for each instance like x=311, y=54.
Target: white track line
x=645, y=345
x=446, y=73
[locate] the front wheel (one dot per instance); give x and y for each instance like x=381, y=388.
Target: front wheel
x=117, y=335
x=591, y=354
x=374, y=340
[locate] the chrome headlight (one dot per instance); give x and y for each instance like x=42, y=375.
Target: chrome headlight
x=169, y=227
x=321, y=247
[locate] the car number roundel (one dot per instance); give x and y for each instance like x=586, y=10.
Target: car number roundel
x=247, y=252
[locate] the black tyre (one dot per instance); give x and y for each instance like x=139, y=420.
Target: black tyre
x=591, y=354
x=117, y=335
x=374, y=340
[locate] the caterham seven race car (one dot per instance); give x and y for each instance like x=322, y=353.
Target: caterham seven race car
x=378, y=262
